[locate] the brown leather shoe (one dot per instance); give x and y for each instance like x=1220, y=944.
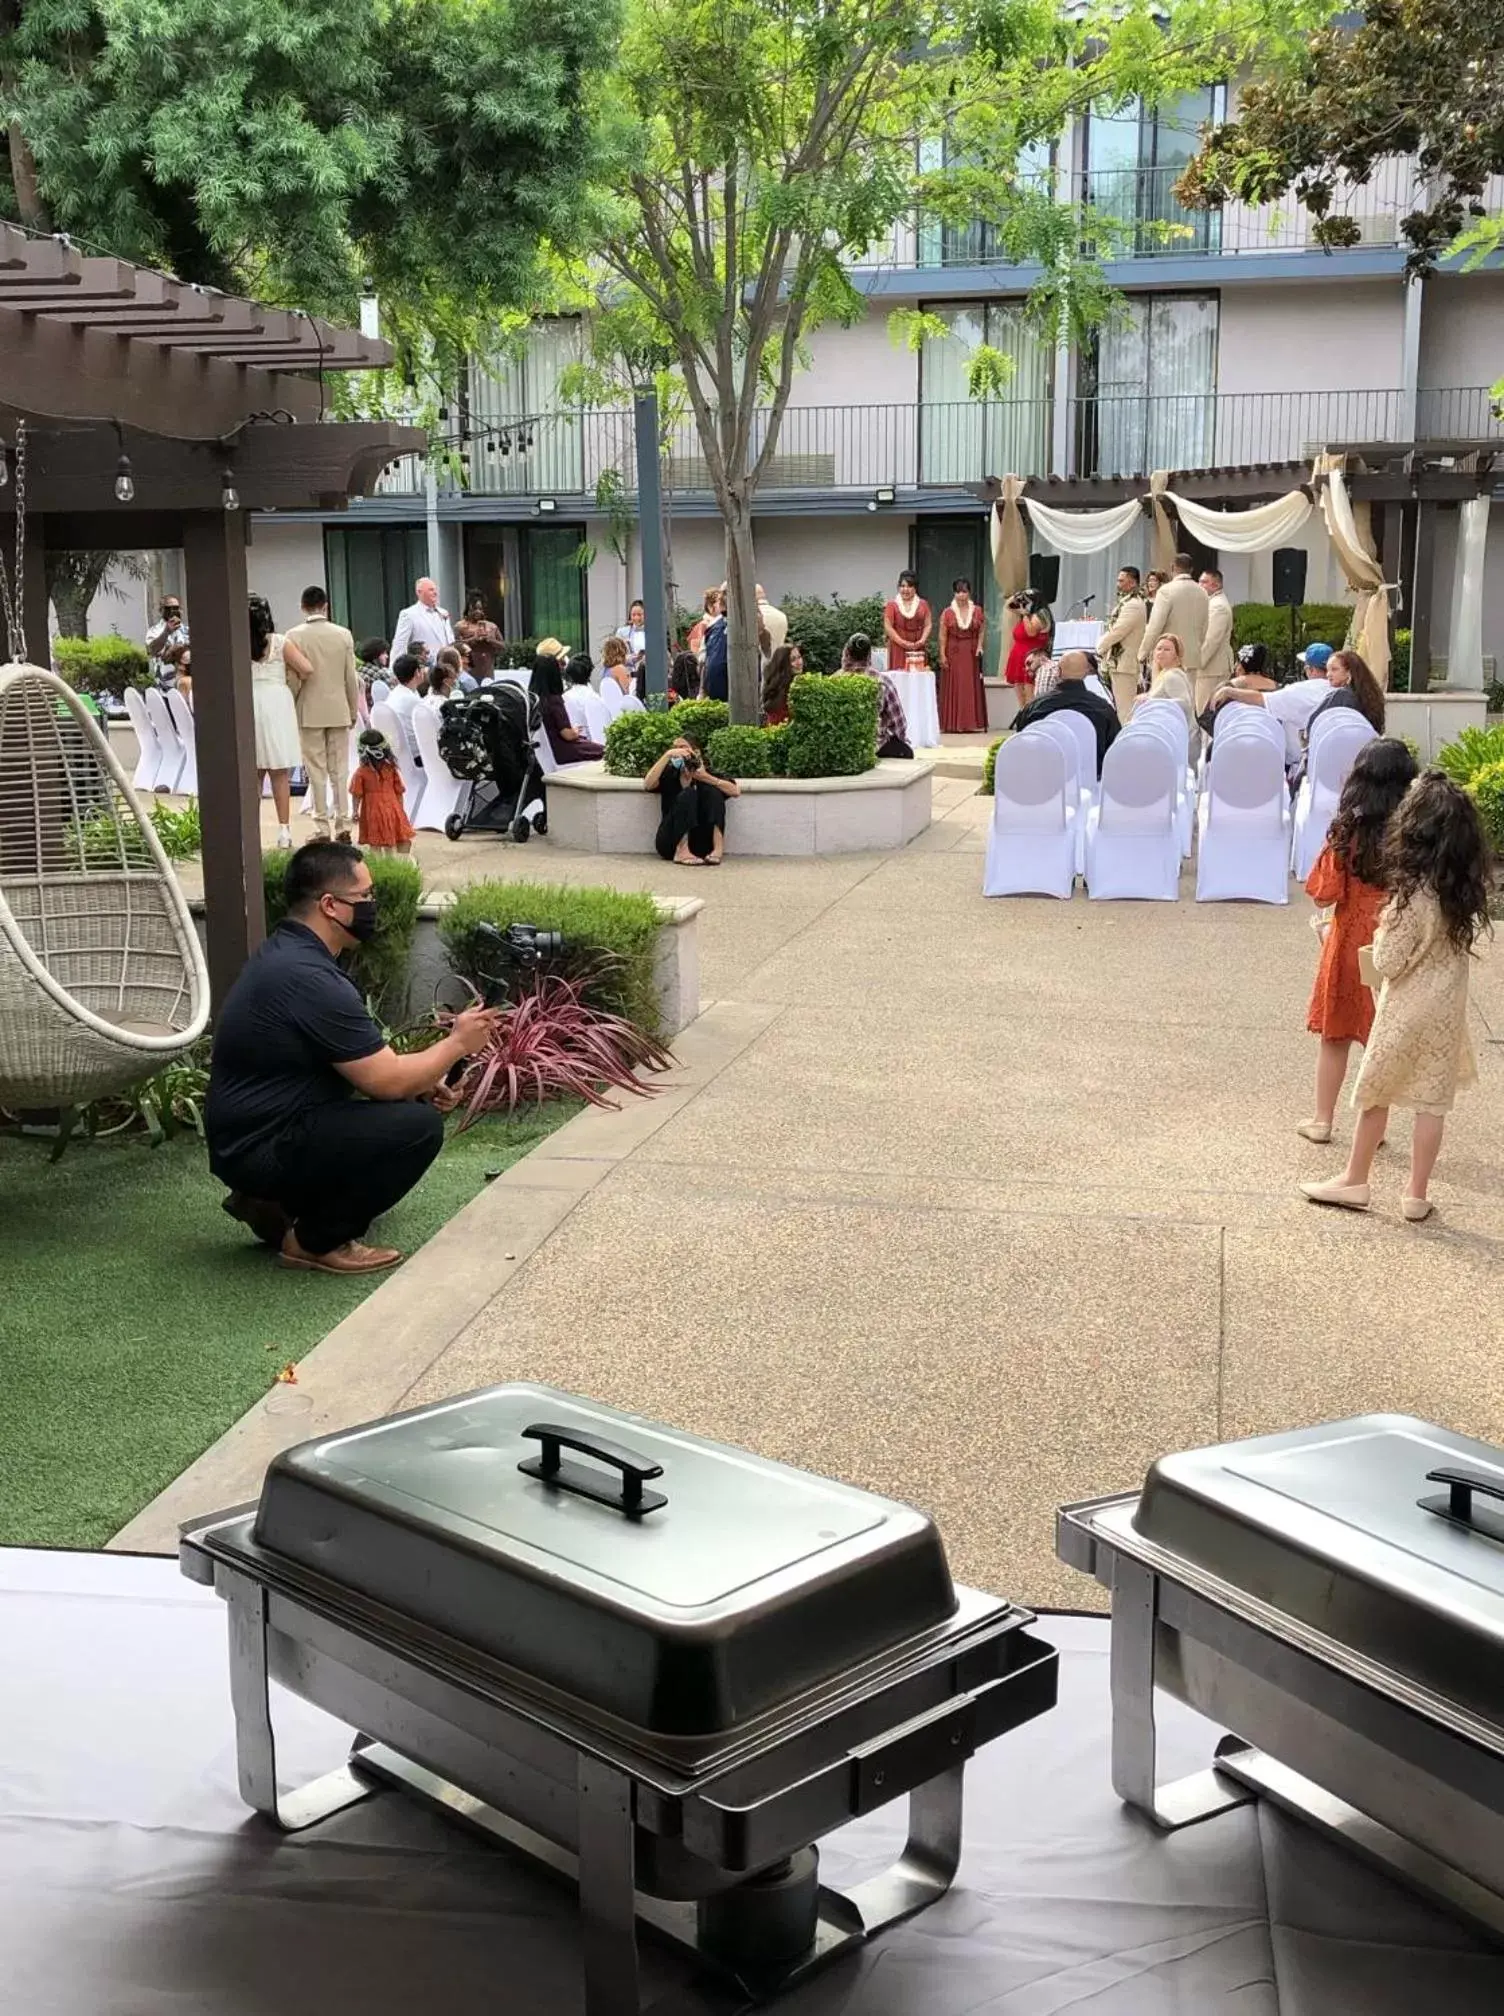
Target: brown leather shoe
x=267, y=1220
x=351, y=1258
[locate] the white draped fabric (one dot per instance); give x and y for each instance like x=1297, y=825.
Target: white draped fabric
x=1084, y=531
x=1252, y=531
x=1352, y=542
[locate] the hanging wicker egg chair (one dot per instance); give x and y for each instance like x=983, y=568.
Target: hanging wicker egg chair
x=102, y=979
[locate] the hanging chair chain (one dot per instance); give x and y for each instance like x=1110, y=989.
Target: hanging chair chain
x=14, y=604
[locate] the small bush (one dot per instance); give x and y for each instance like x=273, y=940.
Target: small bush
x=822, y=628
x=989, y=768
x=1493, y=696
x=1315, y=623
x=380, y=969
x=740, y=752
x=592, y=921
x=1487, y=789
x=777, y=740
x=1474, y=750
x=634, y=742
x=181, y=833
x=1399, y=662
x=518, y=651
x=107, y=664
x=699, y=719
x=832, y=725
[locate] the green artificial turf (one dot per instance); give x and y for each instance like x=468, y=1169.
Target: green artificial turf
x=137, y=1321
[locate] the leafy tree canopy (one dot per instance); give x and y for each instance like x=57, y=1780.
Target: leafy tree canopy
x=1420, y=77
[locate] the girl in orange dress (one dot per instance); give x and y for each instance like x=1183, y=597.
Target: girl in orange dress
x=1348, y=876
x=378, y=790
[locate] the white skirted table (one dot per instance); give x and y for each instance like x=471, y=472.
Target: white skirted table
x=1079, y=636
x=920, y=707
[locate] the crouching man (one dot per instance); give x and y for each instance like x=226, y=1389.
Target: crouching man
x=314, y=1122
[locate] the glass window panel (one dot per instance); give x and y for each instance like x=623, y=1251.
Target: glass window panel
x=963, y=439
x=553, y=583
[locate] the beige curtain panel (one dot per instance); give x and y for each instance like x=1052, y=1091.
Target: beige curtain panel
x=1352, y=540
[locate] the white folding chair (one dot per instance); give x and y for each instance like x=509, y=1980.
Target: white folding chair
x=1081, y=786
x=1133, y=830
x=149, y=757
x=1169, y=730
x=587, y=712
x=1329, y=759
x=1085, y=736
x=442, y=790
x=543, y=750
x=168, y=740
x=1244, y=849
x=615, y=701
x=1031, y=844
x=382, y=717
x=182, y=720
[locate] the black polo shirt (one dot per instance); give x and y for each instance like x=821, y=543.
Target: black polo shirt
x=292, y=1015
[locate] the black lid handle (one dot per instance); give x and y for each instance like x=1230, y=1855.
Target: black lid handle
x=1461, y=1483
x=635, y=1470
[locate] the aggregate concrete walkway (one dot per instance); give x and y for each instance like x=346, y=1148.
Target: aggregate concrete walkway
x=987, y=1204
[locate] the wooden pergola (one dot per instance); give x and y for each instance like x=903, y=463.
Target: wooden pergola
x=102, y=359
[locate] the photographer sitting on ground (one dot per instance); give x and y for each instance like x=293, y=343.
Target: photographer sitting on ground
x=692, y=829
x=308, y=1164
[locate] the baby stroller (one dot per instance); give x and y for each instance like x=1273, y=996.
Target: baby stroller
x=487, y=738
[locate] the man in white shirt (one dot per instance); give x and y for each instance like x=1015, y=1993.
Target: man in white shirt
x=424, y=623
x=1292, y=706
x=772, y=623
x=406, y=700
x=1217, y=664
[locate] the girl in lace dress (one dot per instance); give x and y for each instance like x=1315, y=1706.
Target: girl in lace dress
x=1436, y=870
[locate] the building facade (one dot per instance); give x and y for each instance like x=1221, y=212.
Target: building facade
x=1241, y=341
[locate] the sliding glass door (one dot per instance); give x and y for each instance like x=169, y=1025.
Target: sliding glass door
x=1149, y=388
x=964, y=439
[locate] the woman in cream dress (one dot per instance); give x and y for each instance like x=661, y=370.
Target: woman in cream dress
x=279, y=746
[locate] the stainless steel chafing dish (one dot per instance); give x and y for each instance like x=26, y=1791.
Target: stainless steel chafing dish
x=663, y=1667
x=1335, y=1596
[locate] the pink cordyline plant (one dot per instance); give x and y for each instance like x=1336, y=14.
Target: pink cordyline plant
x=551, y=1044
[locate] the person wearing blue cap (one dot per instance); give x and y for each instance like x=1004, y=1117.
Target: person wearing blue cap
x=1292, y=706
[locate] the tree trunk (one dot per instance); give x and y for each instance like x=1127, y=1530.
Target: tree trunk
x=73, y=580
x=744, y=659
x=30, y=208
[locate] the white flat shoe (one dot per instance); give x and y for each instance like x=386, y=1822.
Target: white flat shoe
x=1319, y=1131
x=1346, y=1196
x=284, y=838
x=1416, y=1209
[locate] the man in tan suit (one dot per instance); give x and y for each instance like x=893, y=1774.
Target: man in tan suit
x=1217, y=662
x=326, y=710
x=1180, y=610
x=1117, y=648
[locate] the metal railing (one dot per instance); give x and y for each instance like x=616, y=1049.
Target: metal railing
x=576, y=456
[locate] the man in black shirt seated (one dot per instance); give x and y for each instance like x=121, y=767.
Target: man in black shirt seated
x=1071, y=694
x=307, y=1162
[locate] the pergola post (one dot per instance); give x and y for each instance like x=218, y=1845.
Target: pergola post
x=1421, y=597
x=234, y=904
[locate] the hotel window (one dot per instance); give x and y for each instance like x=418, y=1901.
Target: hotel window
x=1134, y=159
x=962, y=439
x=1148, y=388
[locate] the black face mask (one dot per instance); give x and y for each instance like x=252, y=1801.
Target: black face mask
x=363, y=913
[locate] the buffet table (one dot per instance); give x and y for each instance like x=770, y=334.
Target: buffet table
x=136, y=1881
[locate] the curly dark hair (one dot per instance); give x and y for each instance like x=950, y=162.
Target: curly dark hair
x=1367, y=691
x=262, y=626
x=1436, y=842
x=1383, y=773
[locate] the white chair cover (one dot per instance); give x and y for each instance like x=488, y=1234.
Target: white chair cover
x=1133, y=831
x=383, y=718
x=182, y=720
x=442, y=790
x=615, y=701
x=1329, y=760
x=149, y=756
x=1031, y=844
x=1093, y=684
x=1245, y=823
x=171, y=766
x=543, y=750
x=1169, y=730
x=587, y=711
x=1077, y=726
x=1082, y=786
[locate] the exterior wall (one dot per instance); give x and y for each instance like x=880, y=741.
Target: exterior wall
x=122, y=604
x=848, y=556
x=1311, y=336
x=1462, y=330
x=281, y=562
x=860, y=365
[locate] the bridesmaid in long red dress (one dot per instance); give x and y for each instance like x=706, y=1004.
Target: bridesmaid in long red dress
x=963, y=630
x=907, y=622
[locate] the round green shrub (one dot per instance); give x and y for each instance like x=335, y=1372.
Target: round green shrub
x=634, y=742
x=740, y=752
x=821, y=628
x=699, y=719
x=989, y=768
x=832, y=725
x=380, y=967
x=107, y=664
x=1475, y=750
x=1487, y=789
x=777, y=740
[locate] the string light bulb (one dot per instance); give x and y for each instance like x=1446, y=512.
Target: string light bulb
x=125, y=481
x=229, y=496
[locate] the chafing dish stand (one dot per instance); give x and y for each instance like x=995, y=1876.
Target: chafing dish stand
x=1307, y=1592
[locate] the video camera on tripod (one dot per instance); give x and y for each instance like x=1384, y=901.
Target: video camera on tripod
x=520, y=948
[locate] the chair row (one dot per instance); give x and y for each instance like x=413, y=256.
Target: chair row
x=167, y=753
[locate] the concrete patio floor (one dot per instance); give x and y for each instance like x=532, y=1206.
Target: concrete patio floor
x=983, y=1204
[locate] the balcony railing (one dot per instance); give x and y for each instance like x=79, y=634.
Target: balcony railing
x=829, y=450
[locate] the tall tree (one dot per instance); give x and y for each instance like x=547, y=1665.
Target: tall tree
x=761, y=146
x=1417, y=77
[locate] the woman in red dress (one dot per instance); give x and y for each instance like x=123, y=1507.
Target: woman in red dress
x=1032, y=624
x=963, y=631
x=907, y=623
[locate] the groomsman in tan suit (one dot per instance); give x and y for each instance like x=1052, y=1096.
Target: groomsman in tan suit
x=1180, y=609
x=1217, y=662
x=1117, y=648
x=326, y=710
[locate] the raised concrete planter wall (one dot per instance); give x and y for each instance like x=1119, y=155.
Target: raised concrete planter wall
x=676, y=960
x=1002, y=704
x=883, y=809
x=1431, y=719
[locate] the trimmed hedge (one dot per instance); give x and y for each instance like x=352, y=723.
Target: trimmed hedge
x=592, y=921
x=832, y=725
x=699, y=719
x=740, y=752
x=1264, y=623
x=1487, y=792
x=822, y=628
x=380, y=969
x=777, y=741
x=989, y=768
x=634, y=742
x=107, y=664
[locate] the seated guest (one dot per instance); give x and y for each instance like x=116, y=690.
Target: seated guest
x=567, y=742
x=892, y=722
x=684, y=677
x=1292, y=706
x=1353, y=685
x=372, y=671
x=784, y=667
x=314, y=1123
x=1170, y=683
x=616, y=679
x=692, y=828
x=444, y=680
x=1072, y=695
x=405, y=698
x=1041, y=673
x=578, y=670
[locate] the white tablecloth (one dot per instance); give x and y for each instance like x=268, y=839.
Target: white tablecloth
x=1081, y=636
x=921, y=709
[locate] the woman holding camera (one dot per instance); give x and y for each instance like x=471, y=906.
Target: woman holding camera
x=692, y=828
x=1031, y=623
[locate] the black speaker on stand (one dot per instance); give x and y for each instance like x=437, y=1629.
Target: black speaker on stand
x=1044, y=576
x=1290, y=590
